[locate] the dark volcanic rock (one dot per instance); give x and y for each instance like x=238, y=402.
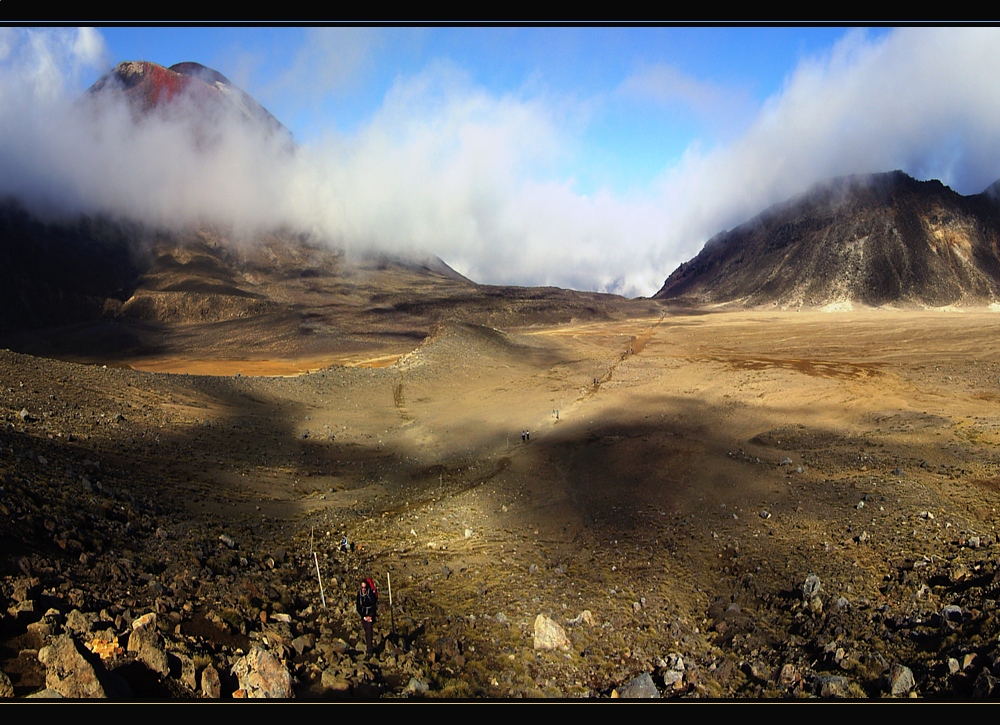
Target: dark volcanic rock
x=875, y=240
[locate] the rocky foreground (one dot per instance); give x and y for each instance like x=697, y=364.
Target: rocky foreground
x=161, y=534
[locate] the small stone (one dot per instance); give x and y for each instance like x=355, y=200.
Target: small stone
x=333, y=680
x=640, y=688
x=672, y=678
x=789, y=675
x=952, y=613
x=985, y=685
x=303, y=643
x=958, y=573
x=831, y=686
x=77, y=621
x=416, y=686
x=811, y=587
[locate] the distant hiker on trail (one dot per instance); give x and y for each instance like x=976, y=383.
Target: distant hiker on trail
x=345, y=545
x=367, y=606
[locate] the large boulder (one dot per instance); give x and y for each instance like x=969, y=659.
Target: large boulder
x=147, y=644
x=549, y=635
x=67, y=671
x=263, y=675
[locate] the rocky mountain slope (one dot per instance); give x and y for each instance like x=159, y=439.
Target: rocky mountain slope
x=108, y=290
x=883, y=239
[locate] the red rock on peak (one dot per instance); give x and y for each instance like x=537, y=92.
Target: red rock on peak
x=149, y=88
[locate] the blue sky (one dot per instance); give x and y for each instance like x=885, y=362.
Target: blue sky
x=594, y=158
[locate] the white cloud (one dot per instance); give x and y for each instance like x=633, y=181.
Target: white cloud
x=328, y=62
x=669, y=87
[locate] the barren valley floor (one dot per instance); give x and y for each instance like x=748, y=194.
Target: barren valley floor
x=684, y=477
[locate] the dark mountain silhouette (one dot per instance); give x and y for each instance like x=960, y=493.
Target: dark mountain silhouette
x=874, y=240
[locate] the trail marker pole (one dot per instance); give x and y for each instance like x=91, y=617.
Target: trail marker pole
x=322, y=597
x=392, y=618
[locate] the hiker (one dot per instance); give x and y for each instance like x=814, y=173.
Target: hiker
x=367, y=606
x=345, y=545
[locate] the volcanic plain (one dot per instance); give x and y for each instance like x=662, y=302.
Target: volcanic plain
x=735, y=503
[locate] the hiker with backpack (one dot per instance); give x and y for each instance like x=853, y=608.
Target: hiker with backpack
x=367, y=606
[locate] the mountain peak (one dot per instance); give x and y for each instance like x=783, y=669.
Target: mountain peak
x=871, y=239
x=149, y=88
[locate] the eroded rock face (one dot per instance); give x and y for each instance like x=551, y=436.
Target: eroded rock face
x=67, y=671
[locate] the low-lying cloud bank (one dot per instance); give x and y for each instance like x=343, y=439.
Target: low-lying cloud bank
x=448, y=168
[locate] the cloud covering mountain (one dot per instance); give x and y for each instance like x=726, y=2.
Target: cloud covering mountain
x=484, y=179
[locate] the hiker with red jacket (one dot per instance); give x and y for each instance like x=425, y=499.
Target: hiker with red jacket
x=367, y=606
